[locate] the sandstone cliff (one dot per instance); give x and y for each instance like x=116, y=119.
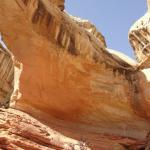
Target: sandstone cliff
x=58, y=69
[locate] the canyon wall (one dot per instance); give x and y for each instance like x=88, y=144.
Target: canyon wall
x=70, y=82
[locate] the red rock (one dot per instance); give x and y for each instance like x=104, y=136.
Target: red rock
x=87, y=96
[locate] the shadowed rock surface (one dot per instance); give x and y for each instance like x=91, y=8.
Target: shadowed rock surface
x=66, y=78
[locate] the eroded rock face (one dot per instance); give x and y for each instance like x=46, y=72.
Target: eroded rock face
x=7, y=76
x=139, y=37
x=70, y=80
x=90, y=28
x=10, y=71
x=21, y=131
x=59, y=3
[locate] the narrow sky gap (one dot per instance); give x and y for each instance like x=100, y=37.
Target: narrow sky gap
x=2, y=43
x=112, y=18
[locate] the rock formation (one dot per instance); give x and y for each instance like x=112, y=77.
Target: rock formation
x=81, y=95
x=10, y=71
x=139, y=37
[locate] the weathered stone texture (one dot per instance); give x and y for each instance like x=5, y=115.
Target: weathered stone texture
x=70, y=81
x=139, y=37
x=21, y=131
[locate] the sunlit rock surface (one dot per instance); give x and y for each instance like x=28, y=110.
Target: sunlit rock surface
x=139, y=37
x=68, y=79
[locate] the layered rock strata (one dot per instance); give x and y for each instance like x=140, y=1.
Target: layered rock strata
x=139, y=37
x=69, y=81
x=21, y=131
x=10, y=71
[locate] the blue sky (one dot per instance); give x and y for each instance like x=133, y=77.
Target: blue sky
x=112, y=17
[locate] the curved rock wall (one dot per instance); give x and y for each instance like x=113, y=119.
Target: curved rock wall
x=69, y=80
